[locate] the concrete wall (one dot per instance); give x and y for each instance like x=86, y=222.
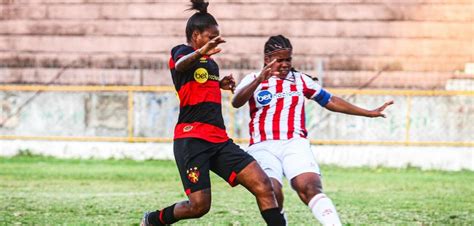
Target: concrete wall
x=427, y=158
x=105, y=114
x=420, y=42
x=102, y=114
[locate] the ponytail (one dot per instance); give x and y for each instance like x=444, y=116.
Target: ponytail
x=199, y=5
x=200, y=20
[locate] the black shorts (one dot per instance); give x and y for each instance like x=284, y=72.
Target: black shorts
x=195, y=157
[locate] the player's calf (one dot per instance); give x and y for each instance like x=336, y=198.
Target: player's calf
x=257, y=182
x=192, y=209
x=198, y=205
x=309, y=189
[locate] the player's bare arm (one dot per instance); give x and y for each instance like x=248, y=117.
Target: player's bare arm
x=338, y=104
x=241, y=97
x=210, y=48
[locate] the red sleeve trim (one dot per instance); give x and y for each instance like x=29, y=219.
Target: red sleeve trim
x=171, y=63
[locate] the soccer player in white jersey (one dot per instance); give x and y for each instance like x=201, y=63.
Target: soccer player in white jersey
x=278, y=140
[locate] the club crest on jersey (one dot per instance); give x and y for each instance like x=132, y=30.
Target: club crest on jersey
x=264, y=97
x=187, y=128
x=201, y=75
x=193, y=174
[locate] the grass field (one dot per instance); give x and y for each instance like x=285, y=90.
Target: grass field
x=40, y=191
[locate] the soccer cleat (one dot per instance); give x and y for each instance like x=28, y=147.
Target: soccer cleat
x=144, y=221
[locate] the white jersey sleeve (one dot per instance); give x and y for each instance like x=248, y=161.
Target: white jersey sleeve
x=313, y=90
x=245, y=81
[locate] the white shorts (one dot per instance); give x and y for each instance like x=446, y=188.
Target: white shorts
x=288, y=158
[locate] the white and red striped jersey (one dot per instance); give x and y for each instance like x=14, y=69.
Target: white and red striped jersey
x=277, y=106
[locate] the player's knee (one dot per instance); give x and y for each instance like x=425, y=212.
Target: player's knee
x=310, y=190
x=199, y=209
x=264, y=187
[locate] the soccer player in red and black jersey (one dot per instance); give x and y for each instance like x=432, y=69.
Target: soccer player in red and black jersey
x=200, y=141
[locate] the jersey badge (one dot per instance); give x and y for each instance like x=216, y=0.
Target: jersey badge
x=193, y=174
x=187, y=128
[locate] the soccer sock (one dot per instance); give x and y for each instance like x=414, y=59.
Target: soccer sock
x=273, y=217
x=163, y=217
x=324, y=210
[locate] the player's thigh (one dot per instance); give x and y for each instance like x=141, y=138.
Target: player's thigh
x=299, y=159
x=229, y=160
x=270, y=164
x=193, y=169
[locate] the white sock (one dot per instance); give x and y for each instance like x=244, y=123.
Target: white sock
x=324, y=210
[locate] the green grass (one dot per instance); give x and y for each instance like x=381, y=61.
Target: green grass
x=47, y=191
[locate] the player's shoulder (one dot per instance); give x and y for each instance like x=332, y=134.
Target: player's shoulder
x=251, y=76
x=181, y=48
x=248, y=78
x=305, y=76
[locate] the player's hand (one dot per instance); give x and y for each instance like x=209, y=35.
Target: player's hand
x=227, y=83
x=210, y=48
x=267, y=72
x=378, y=112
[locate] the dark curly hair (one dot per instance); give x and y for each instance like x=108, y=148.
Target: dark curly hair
x=275, y=43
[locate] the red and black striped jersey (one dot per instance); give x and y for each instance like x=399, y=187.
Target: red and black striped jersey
x=200, y=111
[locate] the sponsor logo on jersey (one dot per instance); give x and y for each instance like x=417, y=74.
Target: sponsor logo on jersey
x=264, y=97
x=288, y=94
x=193, y=174
x=201, y=75
x=213, y=77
